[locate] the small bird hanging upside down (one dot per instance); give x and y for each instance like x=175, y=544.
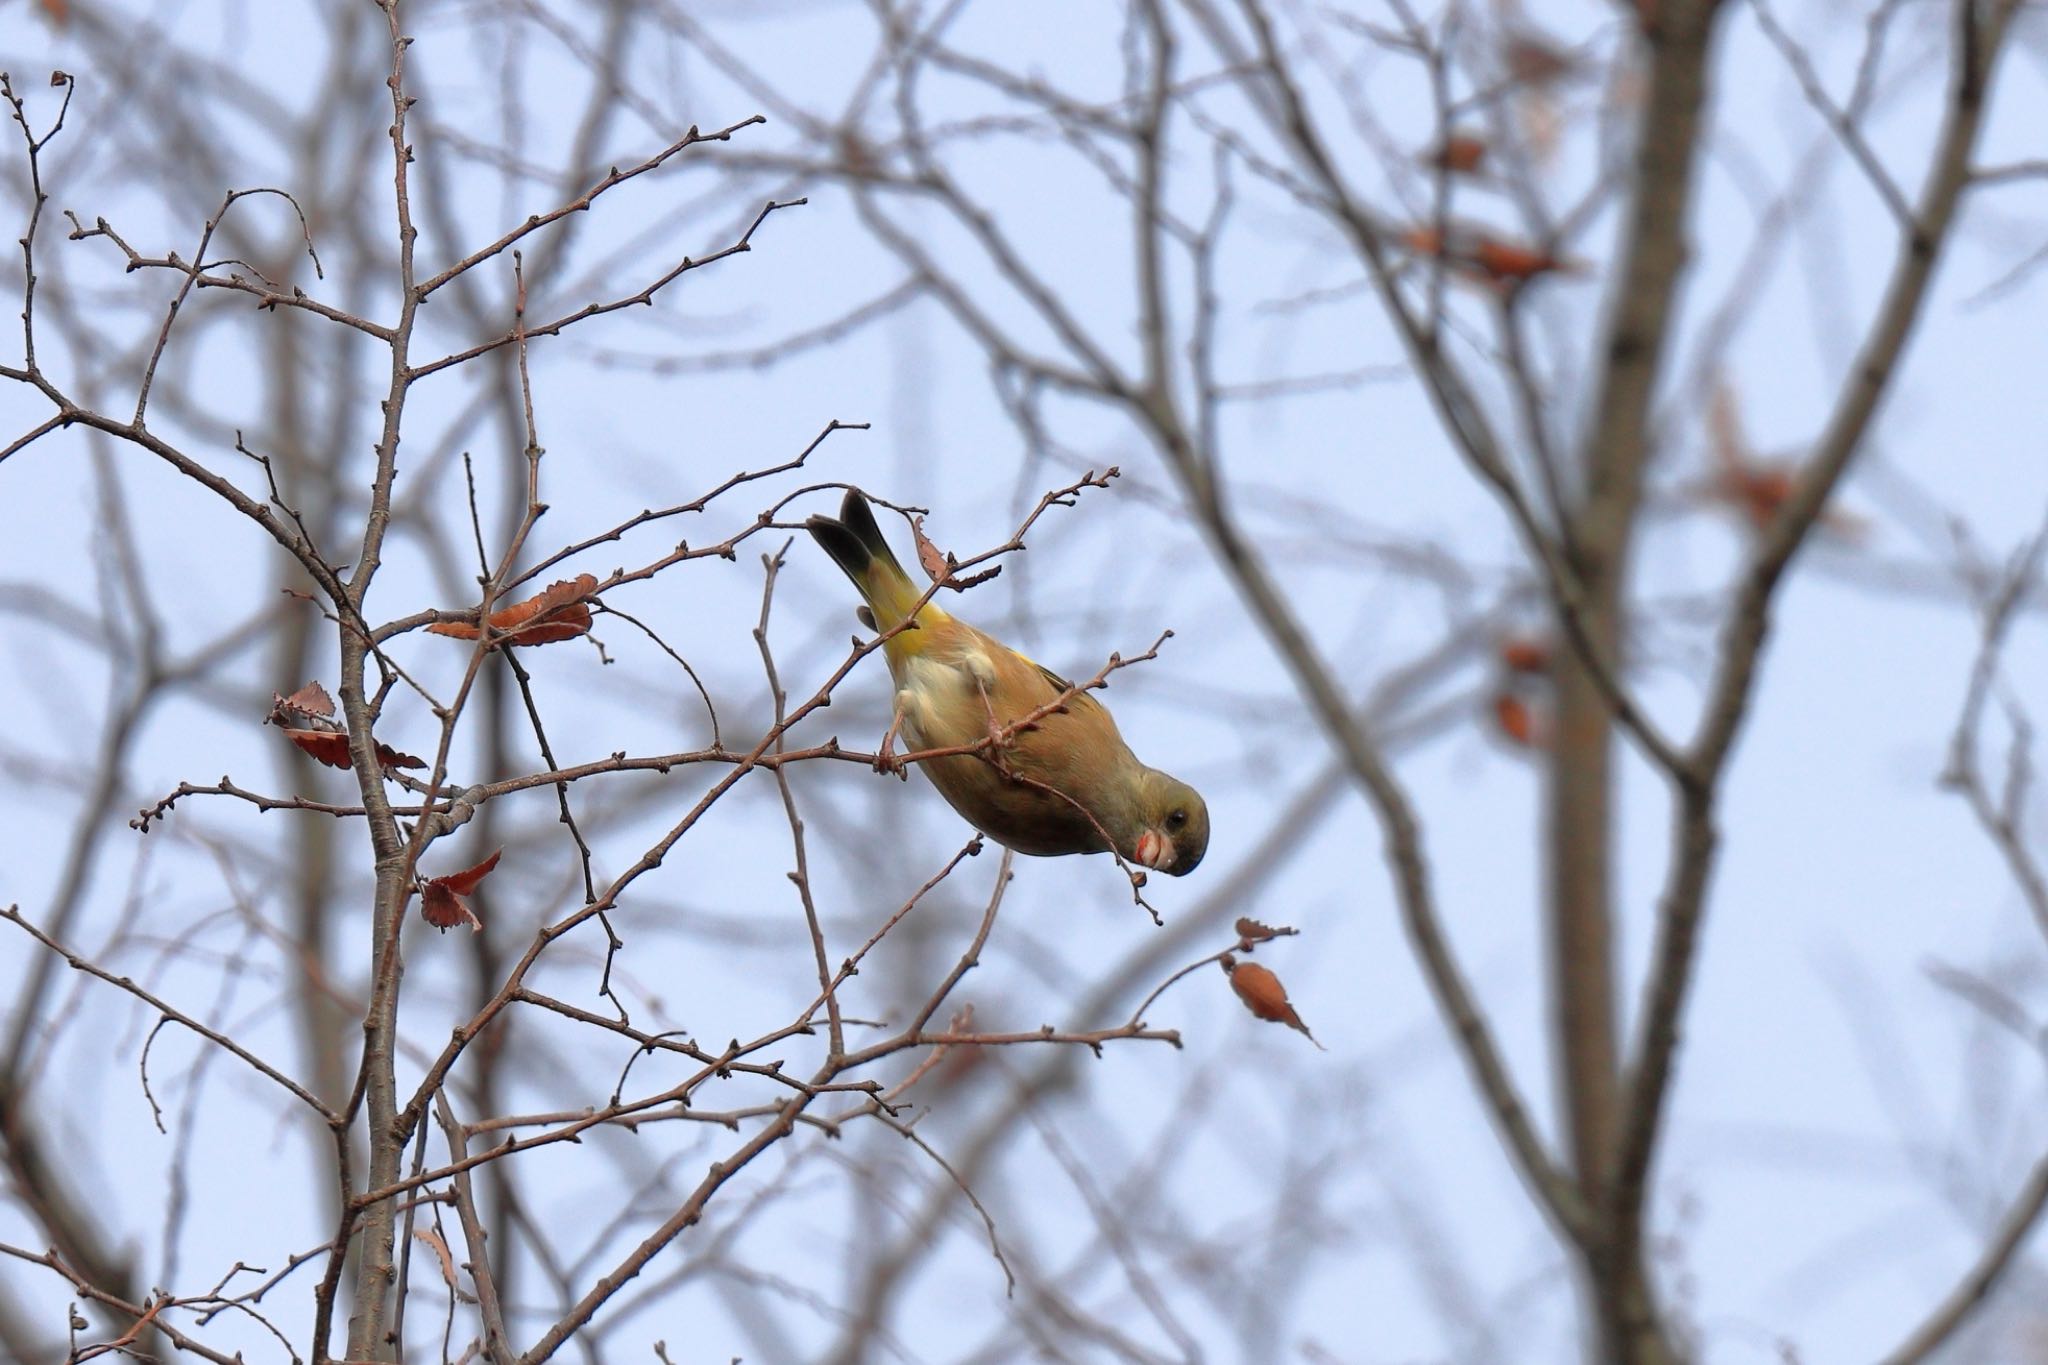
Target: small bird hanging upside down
x=1065, y=783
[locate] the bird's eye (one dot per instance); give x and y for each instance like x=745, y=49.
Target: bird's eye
x=1177, y=819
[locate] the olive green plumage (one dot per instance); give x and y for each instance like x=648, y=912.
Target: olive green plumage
x=1058, y=787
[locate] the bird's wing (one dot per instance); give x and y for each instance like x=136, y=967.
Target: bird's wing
x=1081, y=701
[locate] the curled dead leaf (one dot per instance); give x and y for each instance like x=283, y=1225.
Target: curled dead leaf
x=467, y=880
x=438, y=1244
x=307, y=719
x=444, y=909
x=1535, y=59
x=309, y=704
x=1516, y=721
x=1263, y=995
x=441, y=900
x=558, y=613
x=1757, y=492
x=1458, y=153
x=1479, y=255
x=331, y=747
x=1251, y=931
x=1525, y=654
x=941, y=567
x=1514, y=262
x=1756, y=489
x=930, y=557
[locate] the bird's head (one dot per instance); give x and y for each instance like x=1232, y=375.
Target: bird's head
x=1173, y=826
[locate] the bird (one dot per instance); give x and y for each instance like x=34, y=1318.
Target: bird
x=1063, y=783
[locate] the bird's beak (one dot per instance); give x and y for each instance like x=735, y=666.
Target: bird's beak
x=1155, y=851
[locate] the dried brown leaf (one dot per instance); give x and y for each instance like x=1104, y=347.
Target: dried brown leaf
x=1459, y=153
x=1479, y=255
x=388, y=757
x=325, y=746
x=1756, y=488
x=1525, y=654
x=331, y=747
x=1263, y=995
x=941, y=567
x=1514, y=262
x=309, y=703
x=1535, y=59
x=558, y=613
x=307, y=719
x=441, y=897
x=936, y=563
x=438, y=1244
x=1517, y=722
x=444, y=909
x=467, y=880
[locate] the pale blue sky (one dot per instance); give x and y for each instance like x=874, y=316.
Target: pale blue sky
x=1835, y=1150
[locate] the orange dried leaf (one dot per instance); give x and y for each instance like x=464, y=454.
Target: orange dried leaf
x=1759, y=493
x=559, y=613
x=1516, y=721
x=941, y=567
x=1251, y=931
x=1510, y=261
x=444, y=909
x=1459, y=153
x=1263, y=995
x=388, y=757
x=325, y=746
x=467, y=880
x=1479, y=255
x=1535, y=60
x=930, y=557
x=1424, y=241
x=439, y=1246
x=309, y=703
x=1525, y=654
x=331, y=747
x=441, y=897
x=1756, y=489
x=562, y=625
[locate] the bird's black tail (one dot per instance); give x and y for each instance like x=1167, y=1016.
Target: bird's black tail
x=857, y=546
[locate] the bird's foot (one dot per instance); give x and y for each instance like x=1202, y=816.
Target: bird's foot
x=886, y=760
